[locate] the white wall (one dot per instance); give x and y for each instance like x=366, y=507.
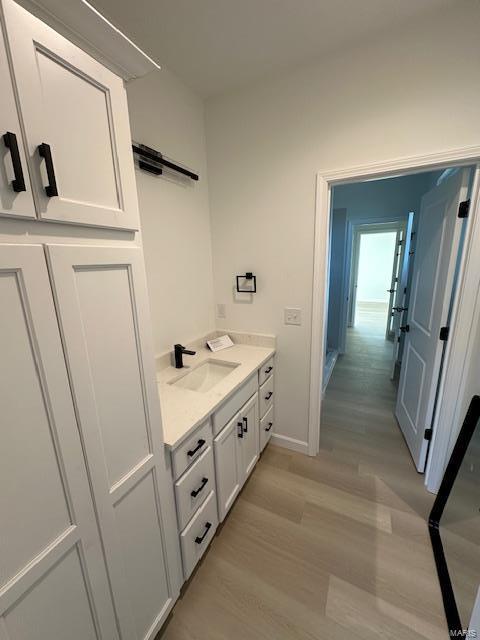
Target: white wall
x=414, y=91
x=174, y=214
x=375, y=266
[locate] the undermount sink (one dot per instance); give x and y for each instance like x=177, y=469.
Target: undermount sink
x=205, y=376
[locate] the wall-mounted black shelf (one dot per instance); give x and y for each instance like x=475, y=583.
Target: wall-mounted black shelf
x=153, y=161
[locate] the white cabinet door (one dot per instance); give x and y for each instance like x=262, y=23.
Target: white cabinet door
x=250, y=442
x=53, y=580
x=102, y=306
x=15, y=191
x=77, y=109
x=228, y=465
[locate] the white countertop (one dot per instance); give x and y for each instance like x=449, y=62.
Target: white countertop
x=184, y=410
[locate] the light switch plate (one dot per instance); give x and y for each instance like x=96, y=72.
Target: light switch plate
x=221, y=311
x=292, y=316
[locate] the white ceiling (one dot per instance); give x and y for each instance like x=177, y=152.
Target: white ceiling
x=218, y=45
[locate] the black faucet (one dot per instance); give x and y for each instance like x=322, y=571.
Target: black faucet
x=179, y=352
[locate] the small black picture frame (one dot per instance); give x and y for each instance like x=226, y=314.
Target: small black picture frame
x=472, y=418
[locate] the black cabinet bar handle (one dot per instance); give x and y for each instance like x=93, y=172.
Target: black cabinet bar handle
x=195, y=492
x=192, y=452
x=269, y=395
x=268, y=370
x=240, y=429
x=270, y=425
x=46, y=153
x=10, y=140
x=245, y=428
x=200, y=539
x=405, y=329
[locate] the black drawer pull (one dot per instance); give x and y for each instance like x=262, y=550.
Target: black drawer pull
x=245, y=428
x=270, y=425
x=200, y=539
x=195, y=492
x=240, y=429
x=45, y=152
x=268, y=370
x=269, y=395
x=192, y=452
x=10, y=140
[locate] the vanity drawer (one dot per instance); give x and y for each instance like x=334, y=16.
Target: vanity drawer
x=266, y=428
x=194, y=486
x=191, y=449
x=265, y=371
x=196, y=537
x=233, y=404
x=266, y=396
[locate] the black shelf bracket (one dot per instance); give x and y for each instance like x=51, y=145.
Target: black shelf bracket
x=153, y=161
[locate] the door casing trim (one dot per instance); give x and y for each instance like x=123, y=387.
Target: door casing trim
x=465, y=319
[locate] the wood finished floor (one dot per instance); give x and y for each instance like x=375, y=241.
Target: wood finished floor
x=331, y=547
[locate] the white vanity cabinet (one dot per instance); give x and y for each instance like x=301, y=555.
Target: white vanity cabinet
x=213, y=462
x=77, y=133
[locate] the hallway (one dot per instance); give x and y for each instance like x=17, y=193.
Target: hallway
x=329, y=547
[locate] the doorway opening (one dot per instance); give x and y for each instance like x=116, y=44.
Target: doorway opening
x=395, y=252
x=376, y=250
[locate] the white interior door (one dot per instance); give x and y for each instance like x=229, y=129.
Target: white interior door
x=399, y=310
x=15, y=192
x=436, y=252
x=399, y=241
x=78, y=109
x=352, y=303
x=53, y=580
x=103, y=311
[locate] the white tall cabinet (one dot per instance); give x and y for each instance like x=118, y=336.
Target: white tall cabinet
x=88, y=538
x=53, y=576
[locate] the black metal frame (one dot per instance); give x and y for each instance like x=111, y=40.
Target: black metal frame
x=157, y=162
x=468, y=428
x=247, y=276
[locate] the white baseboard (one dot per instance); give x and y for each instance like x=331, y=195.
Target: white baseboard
x=290, y=443
x=328, y=370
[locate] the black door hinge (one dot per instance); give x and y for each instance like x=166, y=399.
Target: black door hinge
x=464, y=208
x=444, y=331
x=428, y=434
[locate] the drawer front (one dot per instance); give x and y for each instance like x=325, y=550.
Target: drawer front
x=267, y=424
x=229, y=408
x=191, y=449
x=194, y=486
x=266, y=396
x=265, y=371
x=196, y=537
